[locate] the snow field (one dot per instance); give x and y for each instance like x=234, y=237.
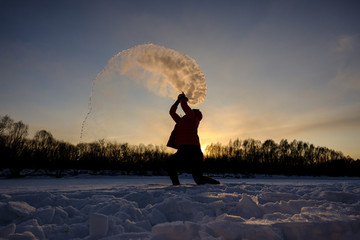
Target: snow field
x=244, y=210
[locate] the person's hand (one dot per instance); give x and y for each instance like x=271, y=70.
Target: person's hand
x=182, y=95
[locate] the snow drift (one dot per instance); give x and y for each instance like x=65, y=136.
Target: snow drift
x=112, y=208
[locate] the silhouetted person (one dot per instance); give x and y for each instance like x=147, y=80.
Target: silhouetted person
x=185, y=139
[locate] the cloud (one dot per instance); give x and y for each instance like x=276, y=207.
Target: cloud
x=347, y=77
x=346, y=43
x=351, y=121
x=237, y=122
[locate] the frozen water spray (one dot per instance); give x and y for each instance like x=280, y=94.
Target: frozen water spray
x=161, y=70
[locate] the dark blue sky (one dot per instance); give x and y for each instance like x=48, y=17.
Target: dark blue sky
x=274, y=69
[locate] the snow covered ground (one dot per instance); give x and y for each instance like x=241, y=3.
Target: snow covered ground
x=119, y=207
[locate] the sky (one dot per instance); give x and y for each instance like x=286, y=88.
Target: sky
x=274, y=69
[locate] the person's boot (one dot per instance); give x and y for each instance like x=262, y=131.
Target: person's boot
x=174, y=179
x=205, y=180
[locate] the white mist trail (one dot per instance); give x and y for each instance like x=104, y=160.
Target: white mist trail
x=160, y=70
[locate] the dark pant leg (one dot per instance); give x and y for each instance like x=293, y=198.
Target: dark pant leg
x=172, y=168
x=188, y=158
x=197, y=159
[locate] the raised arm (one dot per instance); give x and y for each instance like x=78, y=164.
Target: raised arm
x=173, y=113
x=188, y=111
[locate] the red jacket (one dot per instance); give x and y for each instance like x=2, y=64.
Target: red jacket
x=185, y=131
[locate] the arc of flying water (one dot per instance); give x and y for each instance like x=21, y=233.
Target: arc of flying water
x=164, y=67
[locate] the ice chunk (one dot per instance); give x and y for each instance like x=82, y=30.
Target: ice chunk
x=71, y=211
x=33, y=227
x=8, y=230
x=65, y=231
x=339, y=196
x=21, y=209
x=156, y=217
x=23, y=236
x=141, y=226
x=275, y=196
x=177, y=230
x=98, y=225
x=4, y=196
x=238, y=230
x=247, y=208
x=60, y=216
x=45, y=215
x=320, y=230
x=231, y=218
x=6, y=217
x=141, y=198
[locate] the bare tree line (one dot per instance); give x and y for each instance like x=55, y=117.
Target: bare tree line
x=44, y=152
x=292, y=158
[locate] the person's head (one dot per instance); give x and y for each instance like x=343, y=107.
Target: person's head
x=198, y=114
